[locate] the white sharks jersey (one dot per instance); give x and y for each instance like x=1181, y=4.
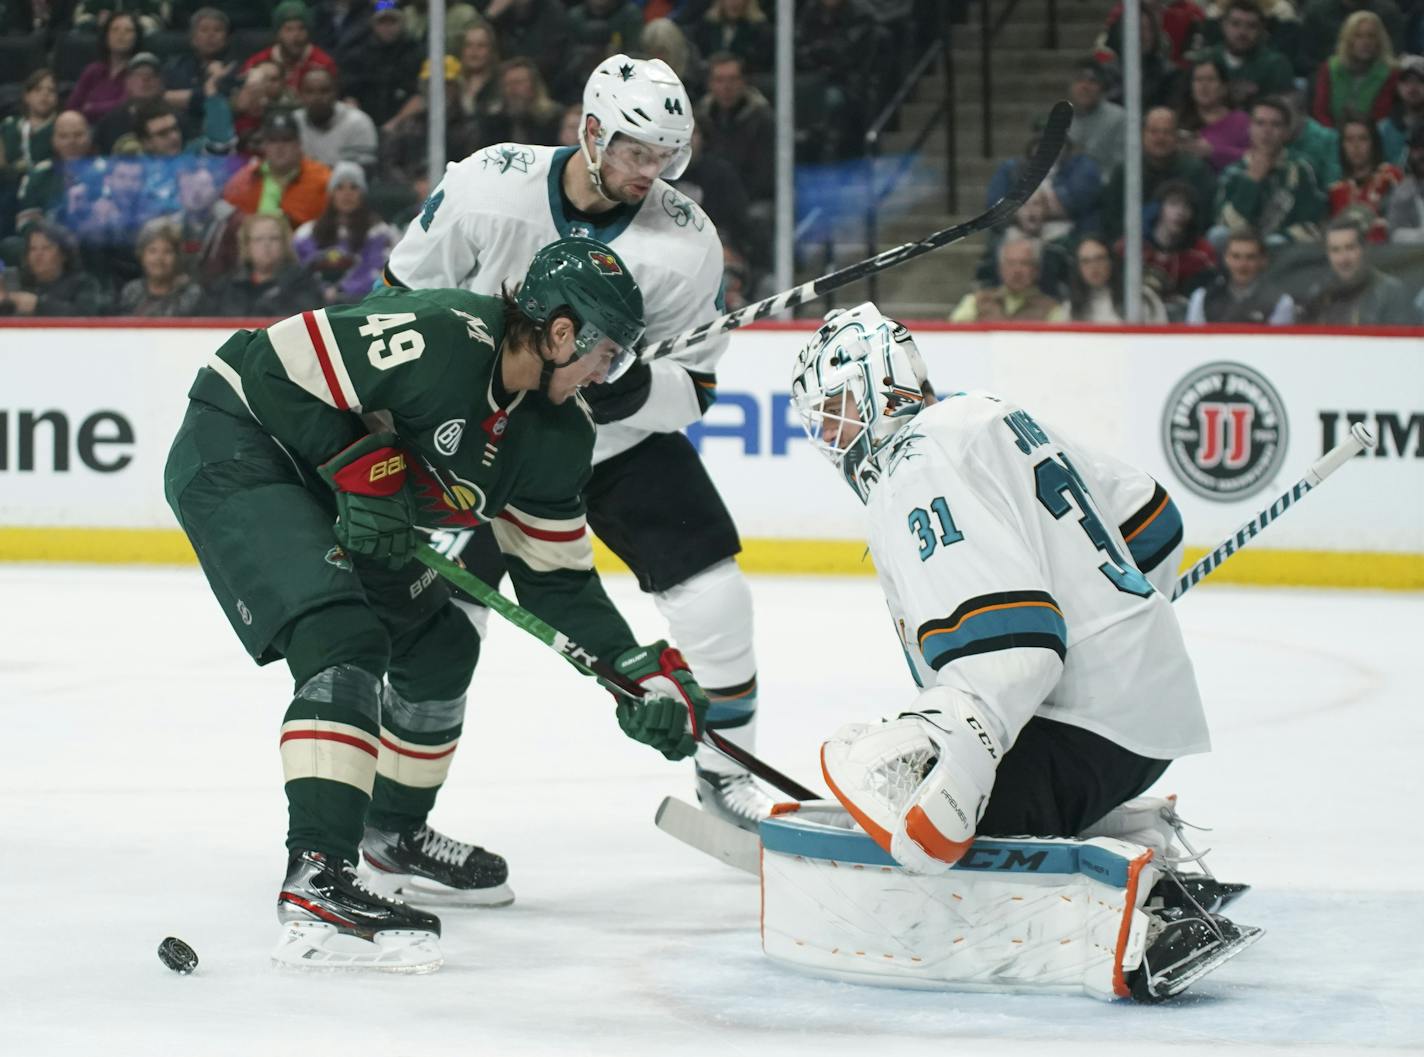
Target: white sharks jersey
x=1016, y=567
x=483, y=223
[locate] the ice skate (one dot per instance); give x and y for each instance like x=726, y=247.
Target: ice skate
x=1182, y=949
x=732, y=796
x=430, y=869
x=332, y=921
x=1195, y=893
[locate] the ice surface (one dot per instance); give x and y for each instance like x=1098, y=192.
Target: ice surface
x=141, y=796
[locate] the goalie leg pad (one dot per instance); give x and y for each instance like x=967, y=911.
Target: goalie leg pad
x=1048, y=916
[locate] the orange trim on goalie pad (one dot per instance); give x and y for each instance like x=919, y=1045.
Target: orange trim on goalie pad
x=1134, y=871
x=879, y=835
x=923, y=832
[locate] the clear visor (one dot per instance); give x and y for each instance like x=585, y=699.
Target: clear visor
x=648, y=159
x=591, y=342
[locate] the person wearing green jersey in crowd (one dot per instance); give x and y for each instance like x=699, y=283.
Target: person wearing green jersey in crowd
x=309, y=454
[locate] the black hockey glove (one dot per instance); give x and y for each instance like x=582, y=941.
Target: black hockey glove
x=612, y=401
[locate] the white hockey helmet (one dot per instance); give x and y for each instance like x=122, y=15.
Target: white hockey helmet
x=855, y=385
x=643, y=99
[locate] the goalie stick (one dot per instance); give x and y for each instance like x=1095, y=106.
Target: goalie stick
x=741, y=849
x=591, y=664
x=1050, y=143
x=1359, y=439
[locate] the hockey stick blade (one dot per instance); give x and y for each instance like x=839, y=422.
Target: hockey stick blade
x=1050, y=144
x=708, y=834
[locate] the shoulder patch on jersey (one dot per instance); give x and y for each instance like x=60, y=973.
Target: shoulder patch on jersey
x=683, y=210
x=902, y=449
x=507, y=157
x=427, y=214
x=476, y=328
x=447, y=436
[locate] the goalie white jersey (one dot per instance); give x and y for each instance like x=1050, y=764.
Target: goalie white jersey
x=484, y=222
x=1000, y=548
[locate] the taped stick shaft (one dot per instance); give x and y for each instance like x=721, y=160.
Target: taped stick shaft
x=590, y=664
x=1050, y=144
x=1359, y=439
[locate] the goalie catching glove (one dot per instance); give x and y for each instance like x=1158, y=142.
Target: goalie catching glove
x=918, y=783
x=669, y=715
x=375, y=513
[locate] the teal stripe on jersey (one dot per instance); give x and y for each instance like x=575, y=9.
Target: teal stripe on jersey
x=1154, y=531
x=1002, y=621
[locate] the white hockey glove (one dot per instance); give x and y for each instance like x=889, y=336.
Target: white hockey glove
x=917, y=784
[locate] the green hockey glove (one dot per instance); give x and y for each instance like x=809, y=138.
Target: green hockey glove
x=375, y=513
x=669, y=715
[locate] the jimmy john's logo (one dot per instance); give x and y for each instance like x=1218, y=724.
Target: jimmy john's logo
x=447, y=436
x=1224, y=431
x=606, y=263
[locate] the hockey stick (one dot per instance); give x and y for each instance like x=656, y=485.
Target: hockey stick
x=1359, y=439
x=1050, y=143
x=590, y=664
x=738, y=848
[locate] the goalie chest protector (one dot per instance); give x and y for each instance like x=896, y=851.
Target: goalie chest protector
x=1022, y=915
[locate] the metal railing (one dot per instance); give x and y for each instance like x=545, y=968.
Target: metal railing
x=988, y=30
x=876, y=192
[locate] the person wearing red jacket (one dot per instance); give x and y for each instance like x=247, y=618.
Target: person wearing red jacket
x=294, y=52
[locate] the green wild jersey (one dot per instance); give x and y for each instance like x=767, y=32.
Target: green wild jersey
x=421, y=363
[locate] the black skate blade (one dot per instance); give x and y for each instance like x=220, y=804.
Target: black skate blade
x=1177, y=979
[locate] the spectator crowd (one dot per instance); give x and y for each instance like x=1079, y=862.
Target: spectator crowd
x=211, y=157
x=1282, y=174
x=160, y=157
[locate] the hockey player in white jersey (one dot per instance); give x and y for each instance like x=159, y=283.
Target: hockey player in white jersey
x=1025, y=576
x=650, y=499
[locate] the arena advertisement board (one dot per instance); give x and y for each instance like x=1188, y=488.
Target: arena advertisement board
x=1225, y=420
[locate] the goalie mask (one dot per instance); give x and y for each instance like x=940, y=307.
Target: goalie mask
x=642, y=99
x=855, y=385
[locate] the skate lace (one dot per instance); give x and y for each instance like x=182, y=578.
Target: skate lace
x=441, y=848
x=1169, y=815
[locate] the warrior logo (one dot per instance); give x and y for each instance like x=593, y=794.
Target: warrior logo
x=626, y=71
x=507, y=158
x=605, y=262
x=339, y=558
x=1224, y=431
x=682, y=211
x=447, y=436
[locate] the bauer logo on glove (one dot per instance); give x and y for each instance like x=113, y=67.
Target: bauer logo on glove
x=669, y=714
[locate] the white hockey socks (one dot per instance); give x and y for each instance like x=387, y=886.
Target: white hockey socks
x=709, y=619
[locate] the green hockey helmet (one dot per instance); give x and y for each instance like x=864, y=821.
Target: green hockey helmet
x=592, y=283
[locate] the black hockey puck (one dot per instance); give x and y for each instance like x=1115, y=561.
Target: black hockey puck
x=177, y=955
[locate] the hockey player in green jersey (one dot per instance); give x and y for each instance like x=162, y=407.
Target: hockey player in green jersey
x=309, y=454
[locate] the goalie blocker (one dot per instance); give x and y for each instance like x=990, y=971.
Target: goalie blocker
x=1024, y=915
